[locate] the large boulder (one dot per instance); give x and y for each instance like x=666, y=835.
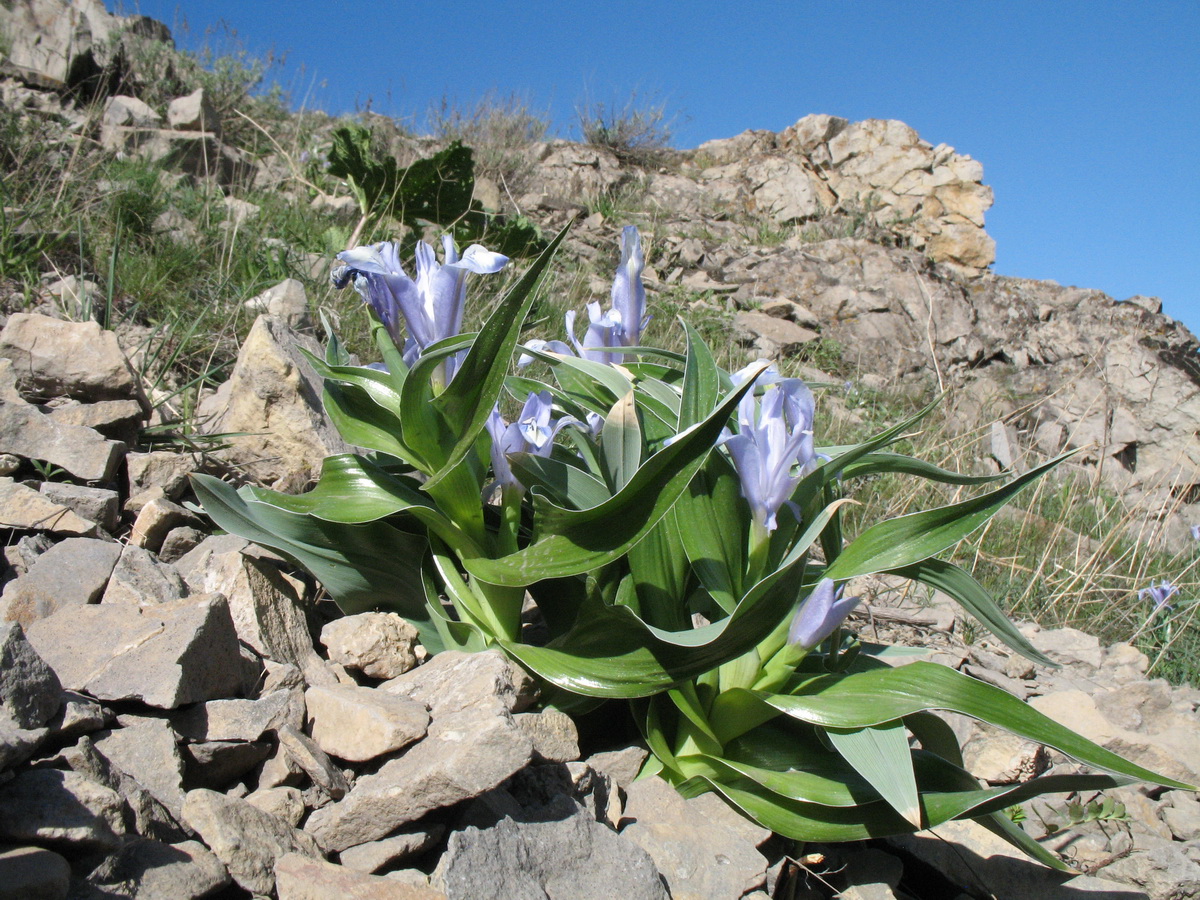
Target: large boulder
x=275, y=395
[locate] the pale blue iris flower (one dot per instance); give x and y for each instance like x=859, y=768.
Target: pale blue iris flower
x=773, y=448
x=431, y=306
x=621, y=324
x=820, y=614
x=1158, y=594
x=533, y=432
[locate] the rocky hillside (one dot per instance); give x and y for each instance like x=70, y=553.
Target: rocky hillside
x=182, y=716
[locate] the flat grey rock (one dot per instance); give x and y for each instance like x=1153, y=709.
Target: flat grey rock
x=453, y=681
x=166, y=656
x=73, y=572
x=141, y=579
x=359, y=724
x=30, y=692
x=302, y=878
x=33, y=873
x=463, y=755
x=98, y=505
x=150, y=870
x=703, y=848
x=148, y=752
x=246, y=839
x=572, y=859
x=50, y=805
x=385, y=853
x=149, y=817
x=240, y=720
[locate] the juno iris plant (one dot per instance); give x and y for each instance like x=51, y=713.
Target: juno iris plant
x=678, y=530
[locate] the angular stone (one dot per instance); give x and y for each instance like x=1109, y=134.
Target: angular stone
x=30, y=692
x=155, y=520
x=313, y=761
x=147, y=751
x=24, y=509
x=140, y=579
x=453, y=682
x=240, y=720
x=576, y=858
x=286, y=803
x=195, y=112
x=78, y=715
x=118, y=420
x=463, y=755
x=357, y=723
x=274, y=394
x=149, y=817
x=219, y=764
x=17, y=744
x=553, y=733
x=266, y=608
x=622, y=766
x=247, y=840
x=178, y=542
x=286, y=301
x=33, y=873
x=26, y=432
x=162, y=468
x=301, y=878
x=120, y=109
x=93, y=504
x=54, y=358
x=53, y=805
x=769, y=335
x=375, y=855
x=967, y=853
x=165, y=656
x=702, y=847
x=73, y=572
x=150, y=870
x=378, y=644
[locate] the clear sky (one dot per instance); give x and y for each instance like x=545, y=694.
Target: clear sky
x=1085, y=115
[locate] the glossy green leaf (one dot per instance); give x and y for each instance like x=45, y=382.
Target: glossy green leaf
x=879, y=462
x=909, y=539
x=363, y=567
x=566, y=484
x=880, y=754
x=701, y=380
x=861, y=699
x=974, y=598
x=621, y=442
x=611, y=652
x=712, y=519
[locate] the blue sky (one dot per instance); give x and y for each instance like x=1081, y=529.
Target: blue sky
x=1086, y=116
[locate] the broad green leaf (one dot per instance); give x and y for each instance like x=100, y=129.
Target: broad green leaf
x=659, y=568
x=880, y=754
x=712, y=520
x=363, y=423
x=974, y=598
x=621, y=442
x=364, y=567
x=701, y=380
x=909, y=539
x=354, y=490
x=568, y=542
x=566, y=484
x=815, y=822
x=593, y=384
x=881, y=461
x=872, y=697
